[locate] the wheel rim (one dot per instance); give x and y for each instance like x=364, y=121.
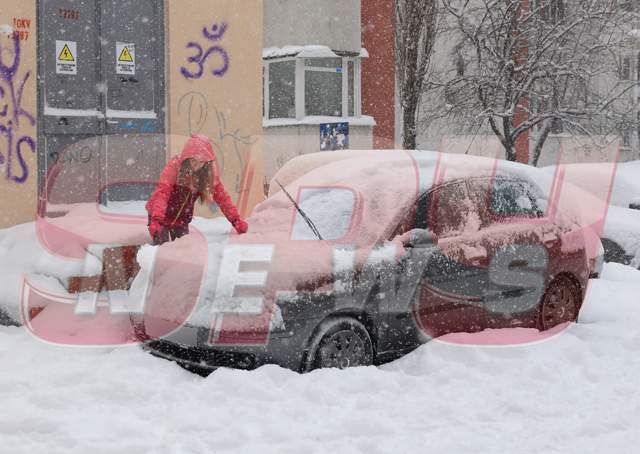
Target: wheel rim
x=343, y=349
x=559, y=306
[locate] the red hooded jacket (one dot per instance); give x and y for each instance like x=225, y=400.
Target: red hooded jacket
x=171, y=205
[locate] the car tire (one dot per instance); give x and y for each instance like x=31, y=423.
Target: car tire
x=560, y=304
x=339, y=342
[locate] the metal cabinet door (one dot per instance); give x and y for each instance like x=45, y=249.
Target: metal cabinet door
x=71, y=119
x=132, y=65
x=102, y=97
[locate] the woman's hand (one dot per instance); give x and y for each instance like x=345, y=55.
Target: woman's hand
x=240, y=226
x=156, y=230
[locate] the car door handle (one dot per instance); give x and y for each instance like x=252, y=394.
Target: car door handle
x=475, y=256
x=519, y=264
x=549, y=239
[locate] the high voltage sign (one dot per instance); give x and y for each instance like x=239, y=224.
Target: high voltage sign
x=65, y=54
x=125, y=55
x=66, y=57
x=125, y=58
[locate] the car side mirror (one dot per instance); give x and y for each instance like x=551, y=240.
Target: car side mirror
x=417, y=238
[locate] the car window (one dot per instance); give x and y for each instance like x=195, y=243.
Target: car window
x=445, y=211
x=513, y=198
x=408, y=221
x=450, y=211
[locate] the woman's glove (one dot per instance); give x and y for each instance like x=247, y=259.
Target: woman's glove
x=240, y=226
x=155, y=230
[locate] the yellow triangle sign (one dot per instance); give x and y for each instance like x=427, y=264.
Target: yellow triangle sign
x=65, y=54
x=125, y=55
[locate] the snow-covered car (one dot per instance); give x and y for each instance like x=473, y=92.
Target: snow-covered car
x=621, y=188
x=387, y=251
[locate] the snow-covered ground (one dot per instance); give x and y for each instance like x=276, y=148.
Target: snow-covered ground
x=576, y=392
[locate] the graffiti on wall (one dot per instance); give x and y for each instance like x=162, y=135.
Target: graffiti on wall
x=228, y=143
x=198, y=60
x=14, y=118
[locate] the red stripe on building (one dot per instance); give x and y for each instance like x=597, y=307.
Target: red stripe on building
x=378, y=71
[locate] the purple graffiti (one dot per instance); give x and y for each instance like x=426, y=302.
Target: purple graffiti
x=200, y=57
x=216, y=32
x=7, y=74
x=12, y=94
x=18, y=152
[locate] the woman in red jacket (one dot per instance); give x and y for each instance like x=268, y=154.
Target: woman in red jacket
x=190, y=176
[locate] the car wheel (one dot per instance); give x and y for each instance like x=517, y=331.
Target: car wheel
x=559, y=304
x=340, y=342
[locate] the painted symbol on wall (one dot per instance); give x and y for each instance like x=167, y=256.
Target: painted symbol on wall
x=66, y=57
x=200, y=57
x=125, y=58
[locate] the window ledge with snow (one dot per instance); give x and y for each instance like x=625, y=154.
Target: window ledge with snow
x=363, y=120
x=309, y=51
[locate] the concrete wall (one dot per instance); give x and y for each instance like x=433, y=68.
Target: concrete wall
x=287, y=142
x=301, y=22
x=562, y=148
x=18, y=169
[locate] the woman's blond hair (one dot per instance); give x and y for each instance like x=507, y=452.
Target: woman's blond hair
x=202, y=179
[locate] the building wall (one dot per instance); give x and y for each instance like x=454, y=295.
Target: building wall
x=301, y=22
x=286, y=142
x=378, y=71
x=332, y=23
x=559, y=148
x=18, y=109
x=226, y=108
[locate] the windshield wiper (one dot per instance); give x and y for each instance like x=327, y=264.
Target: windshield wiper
x=302, y=213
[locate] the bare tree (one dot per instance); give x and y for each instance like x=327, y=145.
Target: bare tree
x=541, y=66
x=415, y=32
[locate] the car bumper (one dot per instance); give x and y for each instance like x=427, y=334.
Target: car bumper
x=189, y=345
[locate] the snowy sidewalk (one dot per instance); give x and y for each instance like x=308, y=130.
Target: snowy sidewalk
x=574, y=393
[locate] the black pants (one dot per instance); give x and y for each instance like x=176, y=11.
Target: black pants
x=169, y=234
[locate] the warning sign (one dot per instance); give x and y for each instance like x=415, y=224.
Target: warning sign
x=66, y=57
x=125, y=58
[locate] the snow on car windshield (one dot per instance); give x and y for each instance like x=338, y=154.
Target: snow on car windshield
x=330, y=209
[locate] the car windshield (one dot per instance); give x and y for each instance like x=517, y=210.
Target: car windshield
x=330, y=209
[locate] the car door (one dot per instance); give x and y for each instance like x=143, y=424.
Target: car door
x=435, y=288
x=450, y=295
x=517, y=244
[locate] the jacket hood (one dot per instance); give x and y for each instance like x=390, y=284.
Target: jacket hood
x=198, y=147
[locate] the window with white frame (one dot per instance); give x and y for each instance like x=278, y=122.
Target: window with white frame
x=282, y=89
x=302, y=87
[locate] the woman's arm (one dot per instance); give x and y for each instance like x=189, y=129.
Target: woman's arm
x=157, y=204
x=228, y=208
